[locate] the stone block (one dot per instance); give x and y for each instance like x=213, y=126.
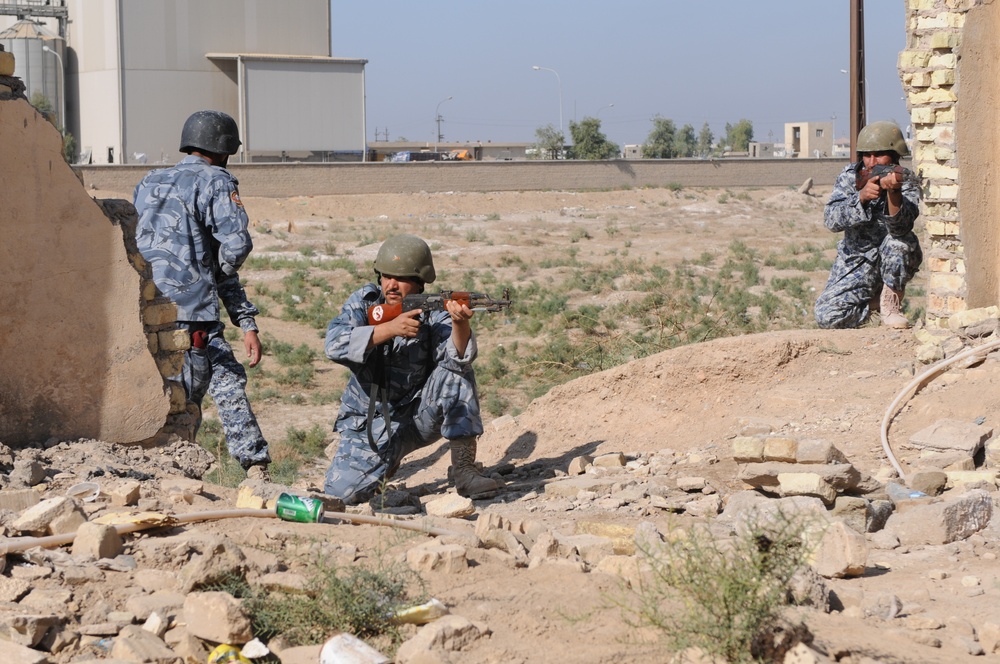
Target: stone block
x=806, y=484
x=97, y=541
x=951, y=435
x=436, y=557
x=841, y=476
x=937, y=521
x=218, y=617
x=841, y=552
x=780, y=449
x=748, y=449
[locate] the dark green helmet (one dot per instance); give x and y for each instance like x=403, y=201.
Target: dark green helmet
x=405, y=256
x=210, y=131
x=882, y=137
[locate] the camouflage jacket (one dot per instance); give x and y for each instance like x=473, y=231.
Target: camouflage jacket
x=193, y=232
x=403, y=364
x=866, y=225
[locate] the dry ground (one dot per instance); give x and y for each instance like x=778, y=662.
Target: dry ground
x=807, y=383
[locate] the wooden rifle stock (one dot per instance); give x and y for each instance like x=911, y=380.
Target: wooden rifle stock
x=381, y=313
x=881, y=171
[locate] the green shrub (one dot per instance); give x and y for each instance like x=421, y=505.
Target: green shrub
x=722, y=596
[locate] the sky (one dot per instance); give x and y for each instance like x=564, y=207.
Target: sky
x=622, y=61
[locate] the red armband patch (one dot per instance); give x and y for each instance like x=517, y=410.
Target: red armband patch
x=235, y=196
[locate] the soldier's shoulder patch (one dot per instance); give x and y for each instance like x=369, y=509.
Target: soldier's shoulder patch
x=235, y=196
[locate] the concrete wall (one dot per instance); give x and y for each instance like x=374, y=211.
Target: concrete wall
x=315, y=179
x=75, y=357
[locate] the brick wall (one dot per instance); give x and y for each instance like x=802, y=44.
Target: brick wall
x=928, y=68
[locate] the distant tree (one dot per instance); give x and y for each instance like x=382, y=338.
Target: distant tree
x=589, y=142
x=738, y=136
x=705, y=139
x=549, y=142
x=43, y=105
x=685, y=143
x=660, y=142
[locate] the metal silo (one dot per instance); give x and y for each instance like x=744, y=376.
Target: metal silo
x=38, y=55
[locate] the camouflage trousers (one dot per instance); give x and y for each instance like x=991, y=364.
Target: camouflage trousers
x=215, y=370
x=857, y=278
x=448, y=406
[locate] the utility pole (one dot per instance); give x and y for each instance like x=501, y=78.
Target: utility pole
x=857, y=74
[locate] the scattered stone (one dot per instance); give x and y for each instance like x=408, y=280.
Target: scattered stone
x=134, y=644
x=97, y=541
x=950, y=436
x=578, y=465
x=450, y=506
x=449, y=633
x=747, y=449
x=436, y=557
x=942, y=521
x=931, y=482
x=216, y=616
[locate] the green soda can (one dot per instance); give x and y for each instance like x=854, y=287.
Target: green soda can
x=297, y=508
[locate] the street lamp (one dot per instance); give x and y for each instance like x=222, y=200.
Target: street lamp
x=559, y=83
x=437, y=118
x=602, y=108
x=62, y=81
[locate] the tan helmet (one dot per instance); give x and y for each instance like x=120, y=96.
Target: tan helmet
x=405, y=256
x=882, y=136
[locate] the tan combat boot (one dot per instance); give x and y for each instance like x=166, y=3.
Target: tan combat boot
x=891, y=305
x=469, y=482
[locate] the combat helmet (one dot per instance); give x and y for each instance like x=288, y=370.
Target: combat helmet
x=405, y=256
x=882, y=136
x=210, y=131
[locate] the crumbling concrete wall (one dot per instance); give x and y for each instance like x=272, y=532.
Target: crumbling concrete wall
x=75, y=356
x=950, y=74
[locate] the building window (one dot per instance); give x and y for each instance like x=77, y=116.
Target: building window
x=819, y=133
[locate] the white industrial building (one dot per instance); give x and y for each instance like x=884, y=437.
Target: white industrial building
x=135, y=69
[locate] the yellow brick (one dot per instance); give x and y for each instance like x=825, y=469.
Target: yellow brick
x=149, y=291
x=174, y=340
x=945, y=40
x=159, y=314
x=153, y=343
x=944, y=192
x=941, y=228
x=170, y=365
x=939, y=172
x=922, y=115
x=917, y=79
x=922, y=5
x=938, y=264
x=946, y=281
x=943, y=154
x=960, y=265
x=933, y=96
x=914, y=59
x=945, y=114
x=943, y=61
x=940, y=77
x=178, y=400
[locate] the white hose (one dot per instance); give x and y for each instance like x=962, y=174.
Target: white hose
x=916, y=382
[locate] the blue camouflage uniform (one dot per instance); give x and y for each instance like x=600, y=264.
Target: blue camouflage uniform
x=431, y=392
x=876, y=249
x=193, y=231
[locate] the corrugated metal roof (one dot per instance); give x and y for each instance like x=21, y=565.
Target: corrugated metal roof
x=27, y=29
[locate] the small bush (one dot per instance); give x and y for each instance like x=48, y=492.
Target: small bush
x=721, y=596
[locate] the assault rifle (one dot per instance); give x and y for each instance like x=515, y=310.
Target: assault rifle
x=885, y=170
x=381, y=313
